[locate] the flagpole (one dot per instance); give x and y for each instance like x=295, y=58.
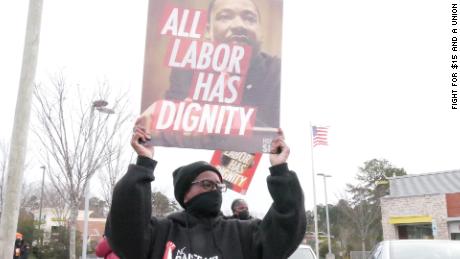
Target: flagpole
x=315, y=212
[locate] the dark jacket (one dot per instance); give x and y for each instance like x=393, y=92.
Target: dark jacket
x=135, y=235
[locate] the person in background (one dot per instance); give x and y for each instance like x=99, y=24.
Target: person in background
x=240, y=210
x=17, y=246
x=24, y=250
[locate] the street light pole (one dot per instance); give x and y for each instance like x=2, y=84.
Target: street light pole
x=329, y=255
x=100, y=106
x=41, y=205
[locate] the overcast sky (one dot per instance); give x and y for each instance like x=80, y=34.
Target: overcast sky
x=376, y=72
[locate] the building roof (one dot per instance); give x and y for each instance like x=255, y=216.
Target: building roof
x=421, y=184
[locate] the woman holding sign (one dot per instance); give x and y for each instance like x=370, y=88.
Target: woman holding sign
x=201, y=231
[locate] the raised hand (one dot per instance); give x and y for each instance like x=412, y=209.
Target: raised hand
x=141, y=136
x=279, y=152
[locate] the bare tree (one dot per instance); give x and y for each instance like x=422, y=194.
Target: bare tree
x=30, y=200
x=75, y=139
x=162, y=205
x=362, y=213
x=52, y=199
x=115, y=164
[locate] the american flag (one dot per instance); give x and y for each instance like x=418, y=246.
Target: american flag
x=319, y=136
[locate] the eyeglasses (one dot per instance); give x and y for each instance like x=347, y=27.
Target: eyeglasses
x=209, y=185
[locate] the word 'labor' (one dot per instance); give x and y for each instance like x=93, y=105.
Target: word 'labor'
x=203, y=55
x=203, y=118
x=247, y=159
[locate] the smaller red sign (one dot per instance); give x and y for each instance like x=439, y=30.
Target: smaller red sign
x=237, y=168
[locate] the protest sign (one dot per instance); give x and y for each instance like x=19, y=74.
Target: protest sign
x=237, y=168
x=212, y=74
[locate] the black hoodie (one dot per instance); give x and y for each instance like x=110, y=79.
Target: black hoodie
x=137, y=235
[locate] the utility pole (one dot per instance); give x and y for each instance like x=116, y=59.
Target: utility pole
x=9, y=218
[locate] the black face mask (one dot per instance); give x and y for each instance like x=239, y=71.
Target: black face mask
x=205, y=204
x=244, y=214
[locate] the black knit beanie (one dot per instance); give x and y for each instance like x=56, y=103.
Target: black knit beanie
x=184, y=176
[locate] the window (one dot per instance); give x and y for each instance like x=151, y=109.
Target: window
x=419, y=231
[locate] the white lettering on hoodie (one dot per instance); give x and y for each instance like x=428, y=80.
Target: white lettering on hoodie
x=181, y=254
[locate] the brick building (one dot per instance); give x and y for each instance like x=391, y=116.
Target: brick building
x=51, y=223
x=422, y=206
x=95, y=227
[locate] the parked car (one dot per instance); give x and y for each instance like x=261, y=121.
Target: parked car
x=416, y=249
x=303, y=252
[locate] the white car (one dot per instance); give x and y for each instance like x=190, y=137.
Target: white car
x=416, y=249
x=303, y=252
